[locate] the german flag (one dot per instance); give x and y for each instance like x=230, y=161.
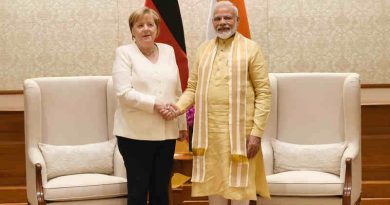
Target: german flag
x=171, y=32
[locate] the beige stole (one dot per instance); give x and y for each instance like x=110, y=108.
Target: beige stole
x=237, y=72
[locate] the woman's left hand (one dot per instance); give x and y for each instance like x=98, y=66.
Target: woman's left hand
x=183, y=135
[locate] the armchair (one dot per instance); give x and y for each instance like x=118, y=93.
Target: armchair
x=72, y=111
x=314, y=109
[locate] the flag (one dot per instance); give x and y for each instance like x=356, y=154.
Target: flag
x=243, y=26
x=172, y=33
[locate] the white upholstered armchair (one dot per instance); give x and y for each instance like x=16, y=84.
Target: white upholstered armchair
x=311, y=146
x=70, y=158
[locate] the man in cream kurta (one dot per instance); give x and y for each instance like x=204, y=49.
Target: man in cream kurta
x=230, y=88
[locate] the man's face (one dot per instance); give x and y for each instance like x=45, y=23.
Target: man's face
x=224, y=22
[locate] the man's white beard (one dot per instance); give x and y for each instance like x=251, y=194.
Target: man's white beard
x=227, y=34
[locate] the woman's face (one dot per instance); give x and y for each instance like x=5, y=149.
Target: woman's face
x=144, y=30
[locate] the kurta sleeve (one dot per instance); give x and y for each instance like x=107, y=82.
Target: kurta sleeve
x=182, y=120
x=127, y=95
x=187, y=99
x=258, y=74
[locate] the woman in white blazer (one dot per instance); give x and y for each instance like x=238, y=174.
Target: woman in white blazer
x=146, y=80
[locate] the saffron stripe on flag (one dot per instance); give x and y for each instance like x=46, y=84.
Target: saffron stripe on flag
x=243, y=26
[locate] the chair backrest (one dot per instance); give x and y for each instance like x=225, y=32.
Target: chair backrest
x=69, y=110
x=314, y=108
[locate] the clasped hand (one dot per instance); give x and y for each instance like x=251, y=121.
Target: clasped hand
x=167, y=111
x=170, y=112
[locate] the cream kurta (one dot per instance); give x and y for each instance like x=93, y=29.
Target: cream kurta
x=257, y=109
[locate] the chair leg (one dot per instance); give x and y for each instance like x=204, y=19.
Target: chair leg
x=39, y=186
x=359, y=200
x=348, y=182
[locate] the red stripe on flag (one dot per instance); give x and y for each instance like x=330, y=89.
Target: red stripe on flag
x=167, y=37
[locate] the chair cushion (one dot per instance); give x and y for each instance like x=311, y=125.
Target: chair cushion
x=304, y=183
x=84, y=186
x=297, y=157
x=78, y=159
x=112, y=201
x=300, y=200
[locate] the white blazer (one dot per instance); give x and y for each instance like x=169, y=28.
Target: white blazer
x=138, y=83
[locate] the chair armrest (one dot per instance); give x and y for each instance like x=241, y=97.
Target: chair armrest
x=35, y=157
x=351, y=152
x=268, y=155
x=39, y=186
x=351, y=174
x=119, y=166
x=347, y=190
x=36, y=175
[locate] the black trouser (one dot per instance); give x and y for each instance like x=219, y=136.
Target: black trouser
x=148, y=166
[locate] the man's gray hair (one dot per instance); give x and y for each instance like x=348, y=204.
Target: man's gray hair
x=226, y=4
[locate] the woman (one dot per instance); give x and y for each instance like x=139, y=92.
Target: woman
x=146, y=79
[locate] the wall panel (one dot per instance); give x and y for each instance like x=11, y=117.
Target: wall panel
x=62, y=38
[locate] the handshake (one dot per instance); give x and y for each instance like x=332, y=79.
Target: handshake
x=167, y=111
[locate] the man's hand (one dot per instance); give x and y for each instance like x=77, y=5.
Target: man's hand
x=163, y=109
x=183, y=135
x=170, y=112
x=252, y=145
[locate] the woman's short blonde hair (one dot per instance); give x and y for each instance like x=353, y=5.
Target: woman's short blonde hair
x=137, y=14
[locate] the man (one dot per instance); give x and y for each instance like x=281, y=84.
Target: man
x=229, y=85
